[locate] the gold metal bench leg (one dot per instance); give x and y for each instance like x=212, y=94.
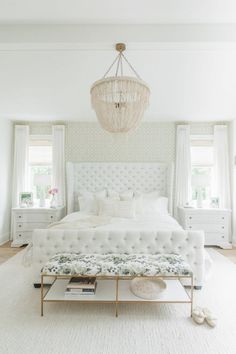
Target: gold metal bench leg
x=117, y=289
x=191, y=295
x=41, y=295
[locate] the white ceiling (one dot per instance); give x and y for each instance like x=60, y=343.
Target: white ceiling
x=116, y=11
x=46, y=70
x=185, y=84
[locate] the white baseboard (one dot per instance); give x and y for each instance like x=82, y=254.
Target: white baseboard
x=4, y=238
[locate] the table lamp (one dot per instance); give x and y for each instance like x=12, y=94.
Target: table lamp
x=42, y=181
x=200, y=181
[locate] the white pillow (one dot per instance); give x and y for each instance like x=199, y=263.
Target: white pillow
x=117, y=208
x=106, y=207
x=138, y=203
x=154, y=206
x=162, y=205
x=112, y=194
x=151, y=195
x=125, y=195
x=125, y=209
x=88, y=201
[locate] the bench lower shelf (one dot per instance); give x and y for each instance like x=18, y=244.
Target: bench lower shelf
x=107, y=292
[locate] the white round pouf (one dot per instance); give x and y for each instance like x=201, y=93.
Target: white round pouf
x=145, y=288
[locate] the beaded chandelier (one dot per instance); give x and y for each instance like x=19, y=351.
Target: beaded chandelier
x=120, y=101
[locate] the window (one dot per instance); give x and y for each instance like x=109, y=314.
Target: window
x=202, y=159
x=40, y=165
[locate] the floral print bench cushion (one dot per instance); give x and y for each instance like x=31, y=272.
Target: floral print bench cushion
x=116, y=264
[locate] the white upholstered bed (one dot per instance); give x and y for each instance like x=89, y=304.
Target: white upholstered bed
x=120, y=235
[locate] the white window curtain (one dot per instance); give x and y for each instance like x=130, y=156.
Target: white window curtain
x=20, y=163
x=222, y=176
x=58, y=162
x=183, y=167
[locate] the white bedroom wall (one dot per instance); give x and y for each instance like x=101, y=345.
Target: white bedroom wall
x=232, y=145
x=5, y=178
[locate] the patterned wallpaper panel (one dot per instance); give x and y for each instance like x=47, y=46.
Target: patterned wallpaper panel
x=151, y=142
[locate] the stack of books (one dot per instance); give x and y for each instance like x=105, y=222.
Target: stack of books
x=81, y=286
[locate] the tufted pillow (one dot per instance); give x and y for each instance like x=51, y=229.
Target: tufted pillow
x=88, y=201
x=117, y=208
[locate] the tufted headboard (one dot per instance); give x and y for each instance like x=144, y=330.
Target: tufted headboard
x=94, y=176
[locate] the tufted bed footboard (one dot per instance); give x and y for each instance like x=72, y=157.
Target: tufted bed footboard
x=189, y=244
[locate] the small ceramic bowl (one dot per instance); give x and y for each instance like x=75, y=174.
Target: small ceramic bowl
x=149, y=289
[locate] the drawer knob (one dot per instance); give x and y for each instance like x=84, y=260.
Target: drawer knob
x=19, y=225
x=222, y=236
x=190, y=217
x=51, y=217
x=190, y=227
x=19, y=216
x=223, y=227
x=223, y=217
x=20, y=235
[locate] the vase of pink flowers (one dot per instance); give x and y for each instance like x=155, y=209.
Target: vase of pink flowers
x=53, y=192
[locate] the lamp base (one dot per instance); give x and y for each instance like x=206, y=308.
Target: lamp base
x=199, y=199
x=41, y=202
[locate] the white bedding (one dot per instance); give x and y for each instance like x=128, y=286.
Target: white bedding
x=146, y=223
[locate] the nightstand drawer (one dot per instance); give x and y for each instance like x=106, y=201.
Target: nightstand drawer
x=210, y=238
x=35, y=217
x=25, y=235
x=25, y=220
x=208, y=227
x=30, y=226
x=216, y=224
x=206, y=218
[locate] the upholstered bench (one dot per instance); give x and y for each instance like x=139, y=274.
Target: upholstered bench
x=115, y=270
x=117, y=265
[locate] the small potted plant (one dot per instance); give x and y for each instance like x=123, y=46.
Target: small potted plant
x=53, y=192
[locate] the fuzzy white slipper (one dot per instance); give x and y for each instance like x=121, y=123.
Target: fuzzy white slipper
x=198, y=315
x=210, y=318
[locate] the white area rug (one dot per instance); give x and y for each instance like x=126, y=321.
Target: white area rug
x=93, y=329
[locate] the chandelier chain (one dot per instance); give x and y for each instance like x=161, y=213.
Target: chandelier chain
x=118, y=65
x=119, y=62
x=132, y=68
x=110, y=67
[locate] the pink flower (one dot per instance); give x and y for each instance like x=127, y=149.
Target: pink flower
x=53, y=191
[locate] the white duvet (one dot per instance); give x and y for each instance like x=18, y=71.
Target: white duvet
x=82, y=220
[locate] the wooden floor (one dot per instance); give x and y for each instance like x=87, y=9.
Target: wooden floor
x=6, y=252
x=230, y=254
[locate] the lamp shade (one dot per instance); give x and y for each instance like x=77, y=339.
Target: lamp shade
x=200, y=180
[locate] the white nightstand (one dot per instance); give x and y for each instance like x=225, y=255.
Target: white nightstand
x=216, y=223
x=25, y=220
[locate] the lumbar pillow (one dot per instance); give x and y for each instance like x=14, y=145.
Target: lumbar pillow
x=117, y=208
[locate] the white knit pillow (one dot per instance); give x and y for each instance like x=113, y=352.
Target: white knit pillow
x=88, y=201
x=117, y=208
x=125, y=195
